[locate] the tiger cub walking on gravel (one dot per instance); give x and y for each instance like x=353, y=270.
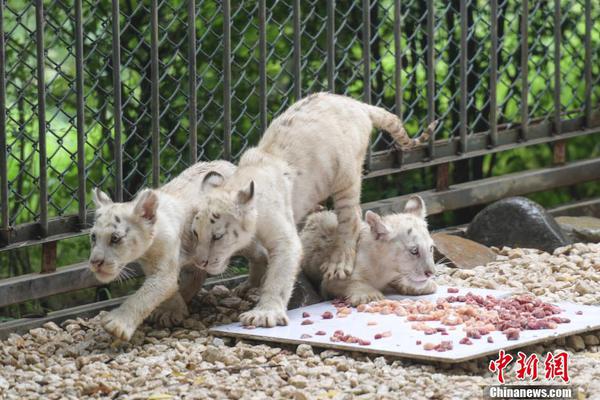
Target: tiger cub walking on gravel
x=394, y=254
x=154, y=230
x=314, y=150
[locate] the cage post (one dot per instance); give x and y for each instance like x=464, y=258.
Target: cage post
x=463, y=77
x=399, y=94
x=366, y=47
x=41, y=94
x=331, y=46
x=494, y=75
x=3, y=147
x=262, y=66
x=117, y=106
x=588, y=63
x=227, y=79
x=430, y=72
x=557, y=40
x=155, y=94
x=297, y=50
x=193, y=96
x=559, y=147
x=524, y=71
x=81, y=173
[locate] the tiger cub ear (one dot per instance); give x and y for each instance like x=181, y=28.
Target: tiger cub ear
x=100, y=198
x=212, y=180
x=416, y=206
x=246, y=195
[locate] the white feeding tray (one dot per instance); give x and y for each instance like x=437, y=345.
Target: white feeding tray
x=403, y=341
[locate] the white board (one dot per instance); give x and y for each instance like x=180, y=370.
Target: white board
x=402, y=343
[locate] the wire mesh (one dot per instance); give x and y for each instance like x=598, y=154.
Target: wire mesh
x=252, y=60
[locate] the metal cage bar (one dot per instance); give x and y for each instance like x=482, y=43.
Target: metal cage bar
x=557, y=46
x=464, y=28
x=155, y=107
x=431, y=71
x=117, y=101
x=227, y=79
x=79, y=81
x=398, y=94
x=262, y=67
x=297, y=50
x=366, y=46
x=331, y=46
x=192, y=91
x=588, y=63
x=524, y=29
x=4, y=210
x=41, y=111
x=494, y=75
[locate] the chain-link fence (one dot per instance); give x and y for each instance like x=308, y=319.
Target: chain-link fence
x=126, y=94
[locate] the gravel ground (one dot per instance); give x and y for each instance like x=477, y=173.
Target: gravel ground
x=77, y=360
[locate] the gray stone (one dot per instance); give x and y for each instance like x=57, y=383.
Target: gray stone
x=581, y=229
x=516, y=222
x=460, y=252
x=304, y=293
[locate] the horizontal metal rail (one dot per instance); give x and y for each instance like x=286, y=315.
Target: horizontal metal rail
x=487, y=190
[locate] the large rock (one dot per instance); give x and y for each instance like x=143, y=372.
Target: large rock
x=304, y=293
x=581, y=229
x=516, y=222
x=460, y=252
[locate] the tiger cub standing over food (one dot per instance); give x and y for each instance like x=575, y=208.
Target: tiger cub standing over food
x=394, y=254
x=153, y=229
x=312, y=151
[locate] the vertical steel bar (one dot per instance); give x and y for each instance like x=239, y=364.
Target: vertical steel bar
x=463, y=77
x=399, y=94
x=116, y=61
x=192, y=81
x=524, y=70
x=366, y=44
x=493, y=118
x=331, y=46
x=227, y=79
x=41, y=94
x=297, y=49
x=81, y=174
x=430, y=70
x=588, y=63
x=3, y=146
x=557, y=40
x=155, y=94
x=262, y=67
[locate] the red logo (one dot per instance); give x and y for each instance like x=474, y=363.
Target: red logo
x=555, y=366
x=527, y=366
x=500, y=364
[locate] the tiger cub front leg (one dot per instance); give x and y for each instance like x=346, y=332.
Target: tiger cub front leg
x=284, y=250
x=341, y=261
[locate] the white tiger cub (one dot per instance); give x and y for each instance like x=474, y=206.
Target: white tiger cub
x=394, y=254
x=153, y=229
x=314, y=150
